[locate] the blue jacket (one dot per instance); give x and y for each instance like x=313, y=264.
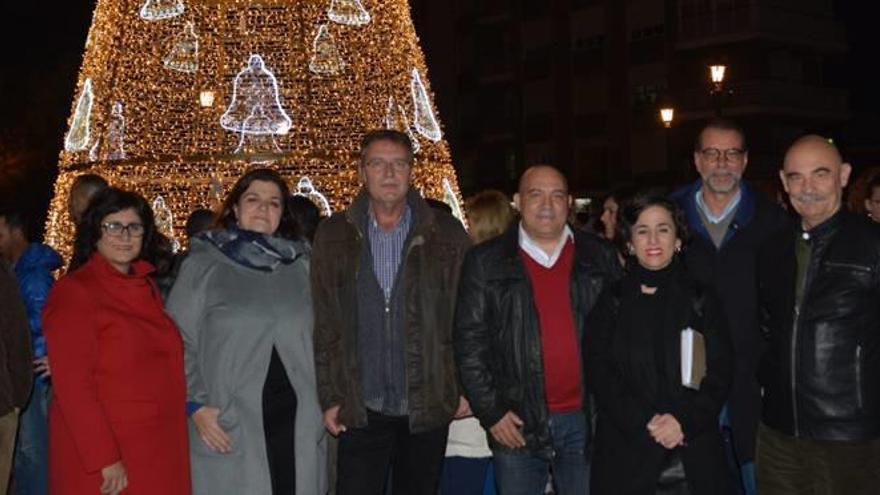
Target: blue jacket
x=34, y=273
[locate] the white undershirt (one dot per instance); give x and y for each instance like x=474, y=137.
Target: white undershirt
x=539, y=255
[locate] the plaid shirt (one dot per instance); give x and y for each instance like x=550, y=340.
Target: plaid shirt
x=387, y=248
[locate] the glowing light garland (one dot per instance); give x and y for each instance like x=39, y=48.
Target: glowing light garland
x=349, y=12
x=395, y=118
x=184, y=55
x=78, y=137
x=325, y=56
x=165, y=221
x=156, y=10
x=255, y=96
x=116, y=133
x=450, y=198
x=306, y=189
x=165, y=140
x=423, y=112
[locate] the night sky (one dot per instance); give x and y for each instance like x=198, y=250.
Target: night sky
x=42, y=49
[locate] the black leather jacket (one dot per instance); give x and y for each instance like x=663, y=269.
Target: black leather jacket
x=822, y=371
x=497, y=337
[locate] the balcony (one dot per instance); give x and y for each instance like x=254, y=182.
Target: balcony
x=769, y=98
x=751, y=20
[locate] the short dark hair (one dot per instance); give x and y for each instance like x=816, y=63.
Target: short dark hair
x=721, y=124
x=391, y=135
x=16, y=219
x=226, y=219
x=200, y=220
x=92, y=182
x=629, y=212
x=306, y=216
x=106, y=202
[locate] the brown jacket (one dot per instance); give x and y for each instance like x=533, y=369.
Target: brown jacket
x=16, y=370
x=431, y=260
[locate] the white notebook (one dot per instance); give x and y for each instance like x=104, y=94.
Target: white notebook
x=693, y=358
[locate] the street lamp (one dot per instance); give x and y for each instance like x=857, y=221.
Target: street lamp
x=717, y=74
x=667, y=114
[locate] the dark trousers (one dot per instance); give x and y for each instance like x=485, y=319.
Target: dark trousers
x=279, y=421
x=796, y=466
x=367, y=454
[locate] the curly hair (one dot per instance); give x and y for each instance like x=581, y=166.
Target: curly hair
x=226, y=219
x=629, y=212
x=106, y=202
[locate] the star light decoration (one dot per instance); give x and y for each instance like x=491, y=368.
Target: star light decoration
x=245, y=97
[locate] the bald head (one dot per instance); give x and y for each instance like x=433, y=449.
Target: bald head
x=814, y=147
x=814, y=176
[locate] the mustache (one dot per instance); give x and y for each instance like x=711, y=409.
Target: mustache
x=718, y=174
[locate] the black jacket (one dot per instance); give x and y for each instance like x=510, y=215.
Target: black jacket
x=621, y=356
x=430, y=267
x=822, y=371
x=497, y=336
x=735, y=273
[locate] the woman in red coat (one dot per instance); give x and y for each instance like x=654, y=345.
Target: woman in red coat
x=117, y=419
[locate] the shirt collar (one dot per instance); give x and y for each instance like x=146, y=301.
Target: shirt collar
x=531, y=248
x=716, y=219
x=402, y=223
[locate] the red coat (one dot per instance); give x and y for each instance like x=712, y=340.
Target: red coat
x=118, y=383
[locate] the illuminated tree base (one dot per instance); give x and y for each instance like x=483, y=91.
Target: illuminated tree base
x=172, y=142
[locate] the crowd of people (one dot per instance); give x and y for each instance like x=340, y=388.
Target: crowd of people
x=388, y=350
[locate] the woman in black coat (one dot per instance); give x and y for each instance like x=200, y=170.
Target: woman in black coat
x=655, y=435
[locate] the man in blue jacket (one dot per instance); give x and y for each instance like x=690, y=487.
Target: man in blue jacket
x=732, y=246
x=33, y=264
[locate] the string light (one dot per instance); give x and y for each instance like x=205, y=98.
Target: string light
x=325, y=55
x=174, y=143
x=350, y=12
x=184, y=55
x=156, y=10
x=423, y=111
x=306, y=189
x=80, y=130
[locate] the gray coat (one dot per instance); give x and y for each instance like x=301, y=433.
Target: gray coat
x=230, y=316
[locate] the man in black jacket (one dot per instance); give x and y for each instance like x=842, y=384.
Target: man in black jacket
x=520, y=320
x=733, y=228
x=821, y=431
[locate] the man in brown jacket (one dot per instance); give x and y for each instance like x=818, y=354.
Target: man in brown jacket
x=15, y=367
x=384, y=280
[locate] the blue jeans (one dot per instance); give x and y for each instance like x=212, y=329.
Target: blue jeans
x=520, y=472
x=32, y=447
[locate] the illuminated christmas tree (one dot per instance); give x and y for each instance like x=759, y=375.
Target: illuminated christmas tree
x=178, y=98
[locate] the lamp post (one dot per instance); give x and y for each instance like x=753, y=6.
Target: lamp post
x=667, y=115
x=717, y=74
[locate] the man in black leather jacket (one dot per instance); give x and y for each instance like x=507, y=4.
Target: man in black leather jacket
x=520, y=320
x=821, y=431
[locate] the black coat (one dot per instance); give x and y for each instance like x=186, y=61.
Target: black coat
x=739, y=272
x=622, y=371
x=497, y=336
x=834, y=337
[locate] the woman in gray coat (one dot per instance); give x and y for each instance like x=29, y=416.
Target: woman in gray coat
x=243, y=305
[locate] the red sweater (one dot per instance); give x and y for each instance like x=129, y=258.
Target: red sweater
x=562, y=361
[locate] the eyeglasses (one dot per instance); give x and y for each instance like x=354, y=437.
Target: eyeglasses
x=116, y=229
x=733, y=155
